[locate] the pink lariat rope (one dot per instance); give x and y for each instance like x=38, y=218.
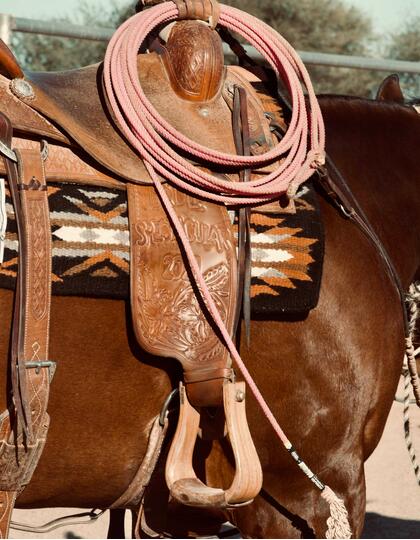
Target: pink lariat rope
x=154, y=138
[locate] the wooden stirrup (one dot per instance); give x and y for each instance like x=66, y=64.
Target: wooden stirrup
x=181, y=478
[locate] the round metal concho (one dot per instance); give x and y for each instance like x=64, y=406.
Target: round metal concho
x=22, y=89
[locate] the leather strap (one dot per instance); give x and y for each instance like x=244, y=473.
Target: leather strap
x=337, y=189
x=241, y=132
x=203, y=10
x=7, y=503
x=133, y=495
x=23, y=441
x=33, y=299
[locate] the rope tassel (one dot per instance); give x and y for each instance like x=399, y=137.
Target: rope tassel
x=412, y=367
x=338, y=522
x=413, y=303
x=410, y=373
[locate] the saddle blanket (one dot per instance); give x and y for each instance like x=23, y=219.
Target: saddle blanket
x=91, y=249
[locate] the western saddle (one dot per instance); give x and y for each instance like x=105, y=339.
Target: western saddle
x=58, y=127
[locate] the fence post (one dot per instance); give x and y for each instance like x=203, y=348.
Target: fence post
x=6, y=28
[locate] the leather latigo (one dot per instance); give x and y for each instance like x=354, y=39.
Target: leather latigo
x=34, y=201
x=168, y=317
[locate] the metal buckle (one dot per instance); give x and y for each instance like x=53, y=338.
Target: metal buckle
x=38, y=365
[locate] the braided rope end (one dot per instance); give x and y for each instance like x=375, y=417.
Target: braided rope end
x=412, y=367
x=338, y=522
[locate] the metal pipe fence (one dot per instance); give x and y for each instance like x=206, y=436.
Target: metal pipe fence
x=9, y=24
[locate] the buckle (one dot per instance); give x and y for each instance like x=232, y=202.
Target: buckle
x=38, y=365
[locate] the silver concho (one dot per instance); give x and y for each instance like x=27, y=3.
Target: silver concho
x=22, y=89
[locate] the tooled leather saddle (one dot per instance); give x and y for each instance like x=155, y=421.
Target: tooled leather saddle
x=58, y=127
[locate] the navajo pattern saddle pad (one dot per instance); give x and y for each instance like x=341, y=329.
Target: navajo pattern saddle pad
x=91, y=249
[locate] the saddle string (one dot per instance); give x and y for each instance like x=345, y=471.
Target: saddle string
x=150, y=134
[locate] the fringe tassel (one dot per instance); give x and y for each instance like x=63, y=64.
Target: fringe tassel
x=412, y=367
x=338, y=522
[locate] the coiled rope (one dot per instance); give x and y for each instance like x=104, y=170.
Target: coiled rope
x=155, y=140
x=152, y=135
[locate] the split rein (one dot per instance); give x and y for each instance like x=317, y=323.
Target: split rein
x=155, y=139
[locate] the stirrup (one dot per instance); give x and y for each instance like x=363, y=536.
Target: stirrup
x=182, y=481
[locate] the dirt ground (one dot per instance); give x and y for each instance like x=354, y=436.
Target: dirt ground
x=393, y=496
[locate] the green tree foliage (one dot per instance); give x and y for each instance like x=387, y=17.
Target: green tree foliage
x=312, y=25
x=329, y=26
x=37, y=52
x=406, y=46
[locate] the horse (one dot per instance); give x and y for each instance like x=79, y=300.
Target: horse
x=329, y=376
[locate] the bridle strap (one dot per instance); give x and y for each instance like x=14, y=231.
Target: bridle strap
x=335, y=186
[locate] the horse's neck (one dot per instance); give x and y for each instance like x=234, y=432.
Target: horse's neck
x=374, y=146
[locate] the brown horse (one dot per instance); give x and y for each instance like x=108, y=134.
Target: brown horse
x=329, y=377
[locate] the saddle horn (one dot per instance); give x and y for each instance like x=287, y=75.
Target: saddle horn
x=196, y=73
